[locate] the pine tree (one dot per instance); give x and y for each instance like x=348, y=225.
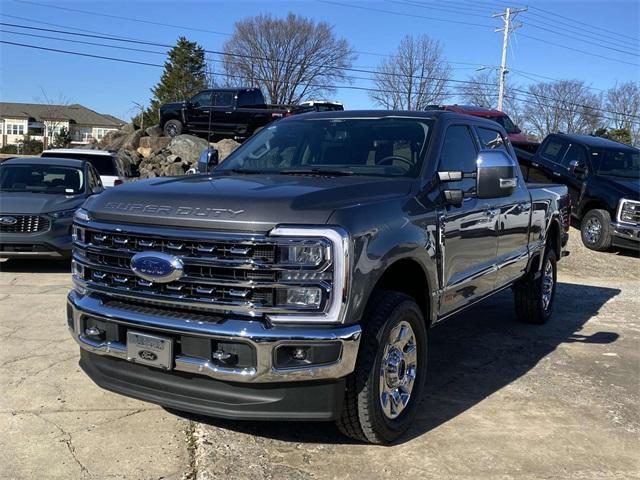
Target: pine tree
x=184, y=75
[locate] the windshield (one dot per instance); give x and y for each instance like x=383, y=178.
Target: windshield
x=104, y=164
x=41, y=179
x=618, y=163
x=506, y=122
x=390, y=147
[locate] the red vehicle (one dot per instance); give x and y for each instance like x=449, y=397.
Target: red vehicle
x=514, y=132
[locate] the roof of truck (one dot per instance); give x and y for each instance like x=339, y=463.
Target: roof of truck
x=596, y=142
x=433, y=114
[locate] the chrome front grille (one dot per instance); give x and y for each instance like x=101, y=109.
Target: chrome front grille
x=629, y=212
x=25, y=224
x=223, y=272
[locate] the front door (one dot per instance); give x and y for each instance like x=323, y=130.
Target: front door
x=575, y=153
x=223, y=112
x=514, y=213
x=197, y=113
x=468, y=232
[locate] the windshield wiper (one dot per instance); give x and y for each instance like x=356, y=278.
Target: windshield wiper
x=316, y=171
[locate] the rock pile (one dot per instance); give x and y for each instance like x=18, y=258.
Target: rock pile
x=150, y=154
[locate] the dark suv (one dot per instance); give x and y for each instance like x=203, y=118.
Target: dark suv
x=603, y=177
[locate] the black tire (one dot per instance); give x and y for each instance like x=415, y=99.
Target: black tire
x=363, y=417
x=595, y=230
x=172, y=128
x=529, y=292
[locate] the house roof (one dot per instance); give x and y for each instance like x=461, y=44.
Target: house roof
x=76, y=113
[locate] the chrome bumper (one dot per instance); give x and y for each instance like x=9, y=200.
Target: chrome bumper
x=626, y=231
x=254, y=332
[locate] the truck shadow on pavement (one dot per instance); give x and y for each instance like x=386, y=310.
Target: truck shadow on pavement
x=36, y=265
x=471, y=357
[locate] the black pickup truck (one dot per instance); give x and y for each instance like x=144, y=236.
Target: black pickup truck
x=298, y=280
x=603, y=177
x=229, y=112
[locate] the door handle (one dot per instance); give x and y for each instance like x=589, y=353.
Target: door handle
x=228, y=113
x=556, y=174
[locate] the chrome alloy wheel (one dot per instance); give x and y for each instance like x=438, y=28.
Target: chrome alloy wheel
x=593, y=230
x=398, y=370
x=547, y=285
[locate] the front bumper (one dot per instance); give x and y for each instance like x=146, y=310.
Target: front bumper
x=261, y=390
x=626, y=235
x=55, y=242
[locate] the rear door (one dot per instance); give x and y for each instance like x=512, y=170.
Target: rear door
x=222, y=112
x=468, y=236
x=513, y=217
x=550, y=159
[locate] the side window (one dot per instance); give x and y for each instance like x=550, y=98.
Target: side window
x=458, y=151
x=245, y=99
x=202, y=99
x=94, y=179
x=575, y=153
x=554, y=150
x=491, y=139
x=223, y=99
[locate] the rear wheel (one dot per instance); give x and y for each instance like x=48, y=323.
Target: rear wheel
x=385, y=390
x=173, y=128
x=595, y=230
x=535, y=293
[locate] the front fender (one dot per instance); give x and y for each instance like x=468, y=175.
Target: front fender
x=384, y=233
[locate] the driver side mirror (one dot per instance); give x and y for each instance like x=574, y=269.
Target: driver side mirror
x=496, y=174
x=577, y=168
x=208, y=160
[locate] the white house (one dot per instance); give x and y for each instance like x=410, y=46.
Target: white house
x=42, y=122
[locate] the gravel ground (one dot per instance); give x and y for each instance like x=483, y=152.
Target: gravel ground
x=504, y=400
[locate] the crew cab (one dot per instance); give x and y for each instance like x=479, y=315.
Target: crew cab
x=298, y=280
x=228, y=112
x=111, y=169
x=603, y=177
x=39, y=198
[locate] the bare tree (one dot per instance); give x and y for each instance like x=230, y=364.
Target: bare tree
x=623, y=104
x=413, y=77
x=291, y=59
x=482, y=91
x=562, y=106
x=54, y=118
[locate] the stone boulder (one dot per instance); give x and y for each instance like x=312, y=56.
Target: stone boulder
x=132, y=141
x=187, y=147
x=154, y=131
x=225, y=147
x=155, y=144
x=128, y=128
x=113, y=140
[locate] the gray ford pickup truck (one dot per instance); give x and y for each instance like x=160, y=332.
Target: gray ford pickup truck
x=298, y=280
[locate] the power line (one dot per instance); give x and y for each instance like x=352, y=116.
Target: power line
x=316, y=85
x=475, y=25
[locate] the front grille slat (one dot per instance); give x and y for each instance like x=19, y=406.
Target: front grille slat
x=26, y=224
x=223, y=274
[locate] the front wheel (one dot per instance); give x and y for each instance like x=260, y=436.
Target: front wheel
x=595, y=230
x=384, y=392
x=173, y=128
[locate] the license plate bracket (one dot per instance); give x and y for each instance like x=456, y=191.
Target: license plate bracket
x=152, y=350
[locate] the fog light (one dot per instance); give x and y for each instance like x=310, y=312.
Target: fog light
x=299, y=354
x=93, y=332
x=300, y=297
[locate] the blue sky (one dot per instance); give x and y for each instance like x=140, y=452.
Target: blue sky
x=370, y=26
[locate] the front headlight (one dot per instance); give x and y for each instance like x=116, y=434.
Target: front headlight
x=63, y=213
x=315, y=264
x=82, y=215
x=629, y=211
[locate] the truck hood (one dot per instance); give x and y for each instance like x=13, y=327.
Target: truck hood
x=172, y=105
x=627, y=187
x=35, y=203
x=242, y=202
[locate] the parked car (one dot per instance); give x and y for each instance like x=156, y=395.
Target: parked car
x=298, y=279
x=112, y=170
x=229, y=112
x=39, y=198
x=603, y=177
x=515, y=134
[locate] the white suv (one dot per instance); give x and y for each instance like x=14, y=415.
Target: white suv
x=112, y=171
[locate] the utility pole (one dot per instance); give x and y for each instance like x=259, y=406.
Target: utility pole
x=509, y=26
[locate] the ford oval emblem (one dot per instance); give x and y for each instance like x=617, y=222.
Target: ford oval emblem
x=157, y=267
x=8, y=220
x=147, y=355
